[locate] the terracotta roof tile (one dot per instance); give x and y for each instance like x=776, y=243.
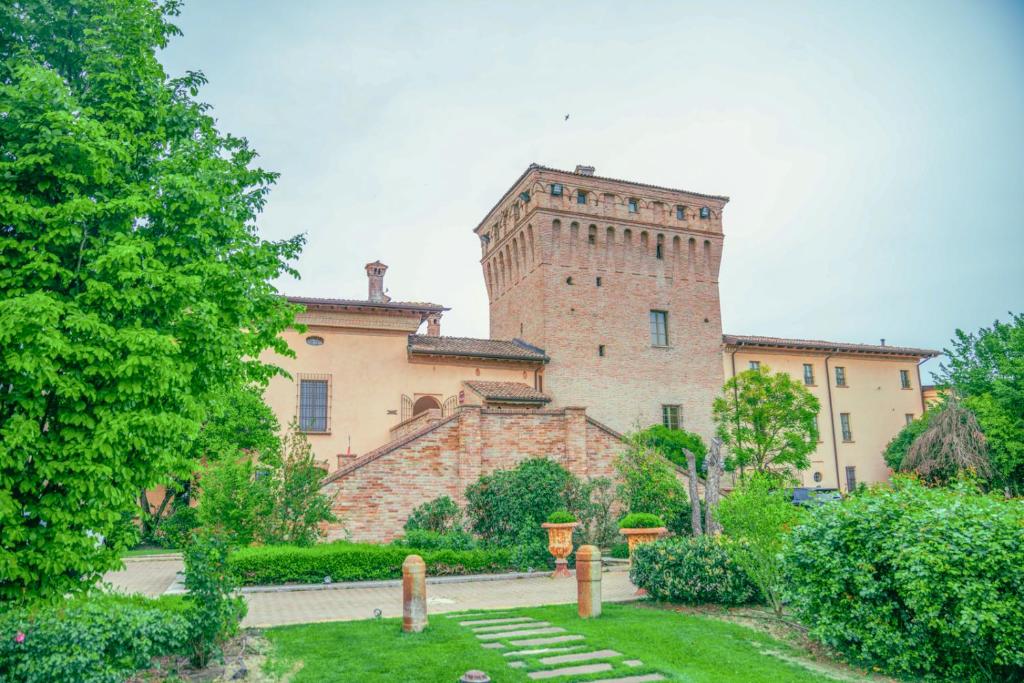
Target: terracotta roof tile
x=514, y=392
x=365, y=303
x=514, y=349
x=821, y=345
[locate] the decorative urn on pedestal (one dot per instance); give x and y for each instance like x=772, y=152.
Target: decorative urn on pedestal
x=560, y=525
x=640, y=528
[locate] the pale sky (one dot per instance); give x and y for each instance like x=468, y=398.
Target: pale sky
x=873, y=151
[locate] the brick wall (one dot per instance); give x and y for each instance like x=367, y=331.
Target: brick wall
x=374, y=495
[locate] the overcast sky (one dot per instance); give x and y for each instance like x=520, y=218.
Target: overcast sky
x=873, y=151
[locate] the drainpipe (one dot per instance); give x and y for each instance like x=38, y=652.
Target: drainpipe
x=920, y=387
x=832, y=420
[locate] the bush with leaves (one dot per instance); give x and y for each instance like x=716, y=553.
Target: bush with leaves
x=214, y=612
x=950, y=447
x=441, y=515
x=916, y=581
x=641, y=520
x=235, y=500
x=298, y=508
x=897, y=448
x=506, y=508
x=95, y=638
x=648, y=483
x=756, y=518
x=422, y=539
x=593, y=503
x=692, y=570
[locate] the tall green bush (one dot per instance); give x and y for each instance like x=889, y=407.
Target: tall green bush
x=756, y=518
x=235, y=500
x=915, y=581
x=441, y=515
x=648, y=483
x=214, y=612
x=693, y=570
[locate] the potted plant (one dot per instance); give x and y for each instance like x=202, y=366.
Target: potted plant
x=640, y=527
x=560, y=525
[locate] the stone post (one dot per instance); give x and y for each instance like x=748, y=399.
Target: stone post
x=588, y=581
x=414, y=594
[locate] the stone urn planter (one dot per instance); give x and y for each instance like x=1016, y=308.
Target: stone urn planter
x=560, y=545
x=639, y=536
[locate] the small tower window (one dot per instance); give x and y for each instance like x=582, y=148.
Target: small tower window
x=592, y=235
x=581, y=197
x=705, y=212
x=600, y=350
x=598, y=280
x=633, y=205
x=659, y=251
x=568, y=280
x=556, y=189
x=681, y=213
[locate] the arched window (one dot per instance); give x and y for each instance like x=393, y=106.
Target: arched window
x=533, y=252
x=659, y=248
x=644, y=242
x=627, y=237
x=592, y=234
x=707, y=256
x=425, y=403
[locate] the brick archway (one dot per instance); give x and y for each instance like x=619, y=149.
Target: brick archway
x=425, y=403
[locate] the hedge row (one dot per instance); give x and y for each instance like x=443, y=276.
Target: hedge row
x=691, y=570
x=344, y=561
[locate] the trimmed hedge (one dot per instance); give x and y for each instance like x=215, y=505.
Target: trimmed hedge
x=94, y=639
x=916, y=581
x=641, y=520
x=432, y=540
x=344, y=561
x=693, y=570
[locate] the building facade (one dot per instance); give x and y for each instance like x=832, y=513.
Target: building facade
x=604, y=317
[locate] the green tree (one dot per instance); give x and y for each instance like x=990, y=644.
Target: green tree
x=134, y=288
x=897, y=448
x=648, y=484
x=985, y=370
x=673, y=444
x=767, y=420
x=756, y=519
x=950, y=447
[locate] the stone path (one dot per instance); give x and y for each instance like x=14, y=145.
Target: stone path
x=541, y=650
x=282, y=606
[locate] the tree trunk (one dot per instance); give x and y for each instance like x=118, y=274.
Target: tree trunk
x=691, y=464
x=712, y=487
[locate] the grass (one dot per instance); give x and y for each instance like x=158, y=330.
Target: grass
x=684, y=647
x=142, y=552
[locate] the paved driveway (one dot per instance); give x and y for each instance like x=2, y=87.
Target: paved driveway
x=149, y=576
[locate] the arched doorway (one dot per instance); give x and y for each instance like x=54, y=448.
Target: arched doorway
x=425, y=403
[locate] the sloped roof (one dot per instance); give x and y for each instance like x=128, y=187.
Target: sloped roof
x=419, y=306
x=515, y=349
x=511, y=392
x=821, y=345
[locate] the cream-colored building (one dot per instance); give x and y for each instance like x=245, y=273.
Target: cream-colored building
x=867, y=394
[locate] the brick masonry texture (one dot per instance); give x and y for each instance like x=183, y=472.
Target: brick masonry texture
x=374, y=496
x=533, y=249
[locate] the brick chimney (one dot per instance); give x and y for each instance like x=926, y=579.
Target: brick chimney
x=584, y=170
x=434, y=325
x=375, y=274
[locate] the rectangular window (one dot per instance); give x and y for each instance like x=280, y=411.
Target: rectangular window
x=817, y=428
x=904, y=379
x=633, y=206
x=808, y=374
x=581, y=197
x=844, y=422
x=600, y=349
x=755, y=365
x=680, y=213
x=705, y=212
x=670, y=417
x=556, y=189
x=908, y=418
x=659, y=328
x=598, y=280
x=851, y=477
x=313, y=412
x=840, y=377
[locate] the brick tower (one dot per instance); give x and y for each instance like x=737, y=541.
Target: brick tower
x=618, y=282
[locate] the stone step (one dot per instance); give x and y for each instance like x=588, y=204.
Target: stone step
x=545, y=641
x=518, y=634
x=506, y=620
x=511, y=627
x=580, y=657
x=542, y=650
x=475, y=615
x=493, y=646
x=570, y=671
x=643, y=678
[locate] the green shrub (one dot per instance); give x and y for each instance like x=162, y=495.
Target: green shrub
x=641, y=520
x=440, y=515
x=561, y=517
x=432, y=540
x=915, y=581
x=93, y=639
x=592, y=502
x=691, y=570
x=213, y=612
x=620, y=551
x=648, y=483
x=235, y=501
x=175, y=531
x=756, y=517
x=343, y=561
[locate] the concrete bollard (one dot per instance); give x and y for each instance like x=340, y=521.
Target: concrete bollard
x=588, y=581
x=475, y=676
x=414, y=594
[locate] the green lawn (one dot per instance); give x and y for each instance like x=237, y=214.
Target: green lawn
x=681, y=646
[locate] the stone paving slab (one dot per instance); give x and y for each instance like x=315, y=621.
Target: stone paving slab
x=524, y=632
x=545, y=641
x=542, y=650
x=511, y=627
x=570, y=671
x=506, y=620
x=580, y=657
x=642, y=678
x=298, y=607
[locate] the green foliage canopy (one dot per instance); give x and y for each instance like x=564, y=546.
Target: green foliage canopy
x=673, y=443
x=134, y=288
x=648, y=483
x=897, y=448
x=767, y=420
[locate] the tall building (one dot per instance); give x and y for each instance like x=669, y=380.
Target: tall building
x=618, y=281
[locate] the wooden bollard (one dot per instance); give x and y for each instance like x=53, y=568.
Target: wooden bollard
x=588, y=581
x=414, y=594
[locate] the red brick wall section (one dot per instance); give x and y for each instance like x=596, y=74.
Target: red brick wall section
x=374, y=499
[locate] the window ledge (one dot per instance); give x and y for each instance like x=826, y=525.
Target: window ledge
x=315, y=433
x=842, y=386
x=849, y=441
x=659, y=346
x=813, y=386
